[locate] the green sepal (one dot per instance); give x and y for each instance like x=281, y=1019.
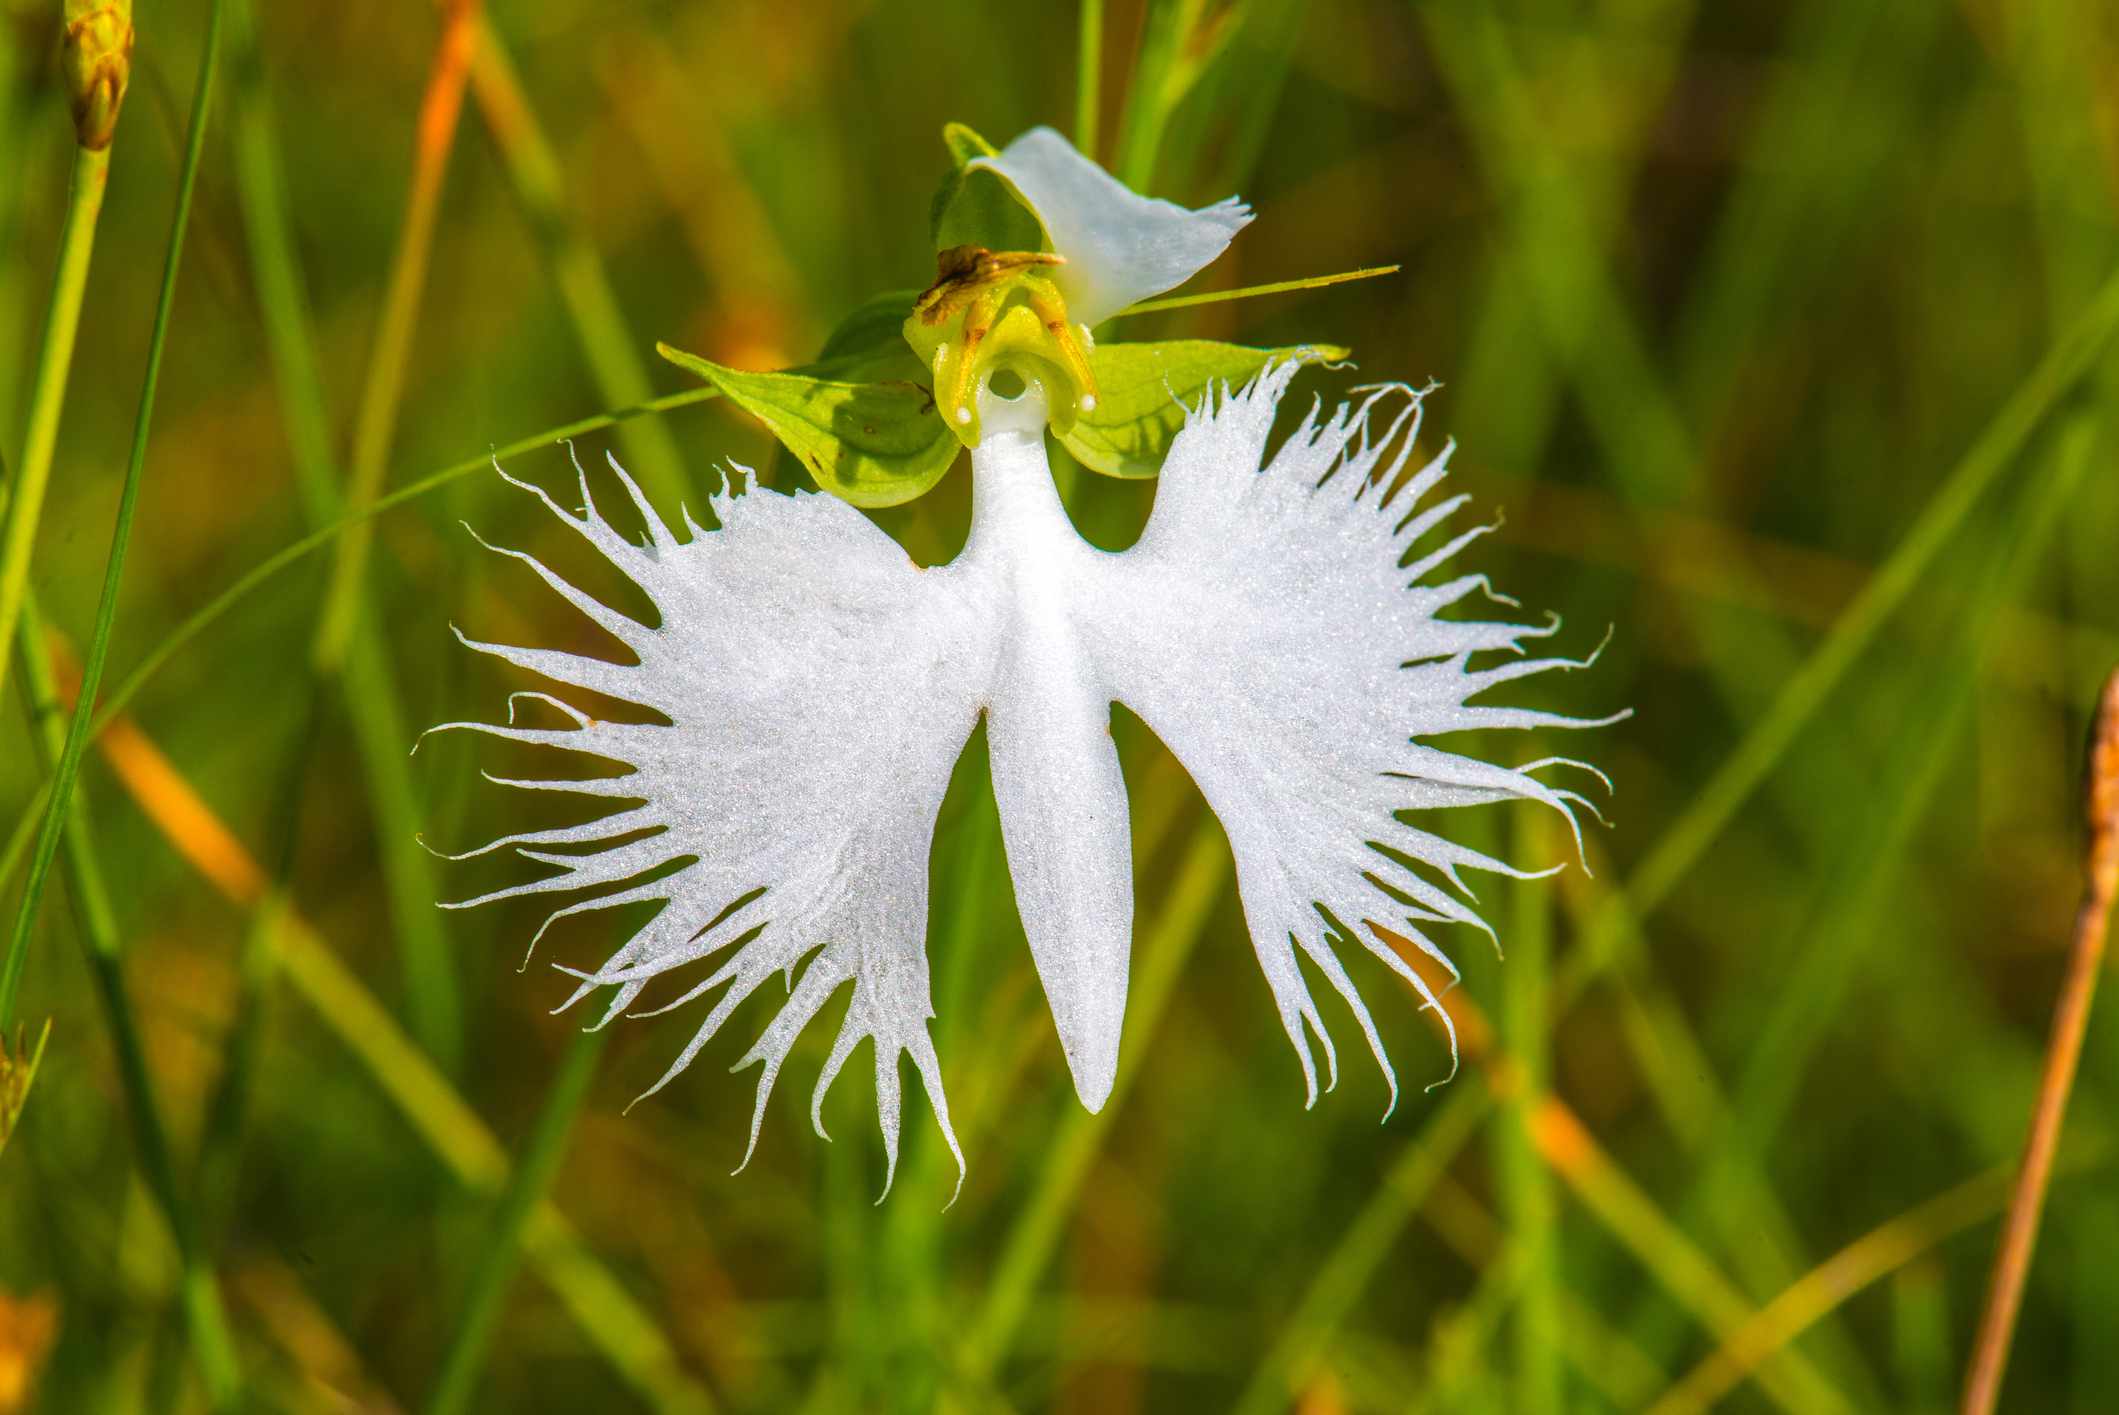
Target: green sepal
x=869, y=344
x=975, y=207
x=873, y=444
x=1143, y=390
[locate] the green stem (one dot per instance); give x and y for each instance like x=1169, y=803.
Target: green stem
x=1529, y=1205
x=1149, y=97
x=1712, y=808
x=614, y=1321
x=77, y=732
x=600, y=326
x=121, y=696
x=1165, y=945
x=1364, y=1247
x=367, y=683
x=1089, y=76
x=382, y=390
x=207, y=1323
x=62, y=322
x=526, y=1188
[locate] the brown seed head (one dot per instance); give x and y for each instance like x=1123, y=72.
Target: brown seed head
x=2102, y=797
x=96, y=58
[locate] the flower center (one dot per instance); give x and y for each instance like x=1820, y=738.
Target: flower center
x=996, y=311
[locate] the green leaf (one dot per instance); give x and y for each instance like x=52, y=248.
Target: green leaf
x=1143, y=390
x=869, y=344
x=975, y=207
x=874, y=444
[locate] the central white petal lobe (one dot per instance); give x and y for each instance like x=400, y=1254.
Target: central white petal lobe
x=1055, y=768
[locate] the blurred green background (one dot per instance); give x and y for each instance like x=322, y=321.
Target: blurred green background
x=1775, y=331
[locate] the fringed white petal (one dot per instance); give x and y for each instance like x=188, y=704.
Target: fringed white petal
x=1120, y=247
x=1270, y=627
x=818, y=688
x=1274, y=625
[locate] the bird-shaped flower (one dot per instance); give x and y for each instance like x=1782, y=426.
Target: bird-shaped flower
x=1283, y=626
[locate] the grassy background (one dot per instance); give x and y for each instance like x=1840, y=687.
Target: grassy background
x=1745, y=315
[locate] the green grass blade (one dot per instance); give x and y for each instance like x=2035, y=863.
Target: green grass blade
x=1151, y=94
x=1088, y=75
x=526, y=1188
x=367, y=681
x=382, y=389
x=600, y=328
x=1201, y=876
x=1528, y=1198
x=77, y=733
x=206, y=1323
x=25, y=499
x=1804, y=694
x=1367, y=1243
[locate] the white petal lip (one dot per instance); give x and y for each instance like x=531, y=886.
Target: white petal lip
x=1120, y=247
x=1271, y=626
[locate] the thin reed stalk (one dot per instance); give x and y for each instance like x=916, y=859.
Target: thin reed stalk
x=526, y=1187
x=69, y=762
x=24, y=503
x=2071, y=1015
x=206, y=1322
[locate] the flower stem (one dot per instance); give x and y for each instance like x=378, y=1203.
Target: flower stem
x=62, y=322
x=2071, y=1015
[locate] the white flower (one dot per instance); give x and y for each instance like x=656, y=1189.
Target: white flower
x=1279, y=625
x=1119, y=247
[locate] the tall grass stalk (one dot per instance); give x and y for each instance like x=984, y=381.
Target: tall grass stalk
x=69, y=762
x=22, y=505
x=2071, y=1015
x=607, y=343
x=206, y=1323
x=497, y=1261
x=614, y=1322
x=1884, y=1249
x=382, y=390
x=1088, y=75
x=1148, y=96
x=1529, y=1204
x=340, y=650
x=1166, y=943
x=1710, y=810
x=366, y=680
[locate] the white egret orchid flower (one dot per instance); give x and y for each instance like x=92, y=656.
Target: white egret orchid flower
x=1279, y=625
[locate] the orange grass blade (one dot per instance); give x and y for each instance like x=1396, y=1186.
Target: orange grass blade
x=1623, y=1207
x=599, y=1304
x=1884, y=1249
x=376, y=424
